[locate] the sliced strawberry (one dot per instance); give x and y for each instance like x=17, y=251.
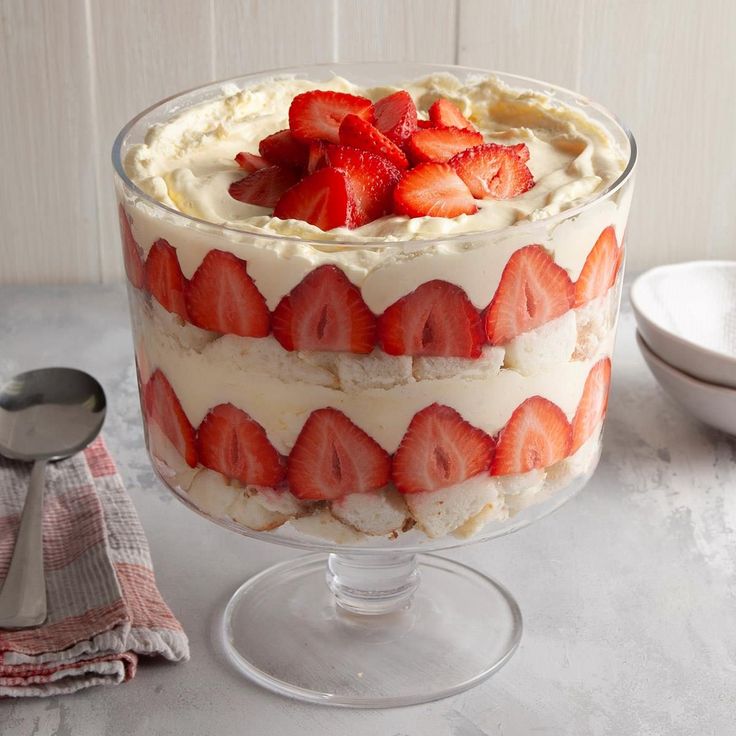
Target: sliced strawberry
x=323, y=199
x=333, y=457
x=372, y=179
x=441, y=144
x=250, y=162
x=317, y=115
x=162, y=406
x=493, y=172
x=600, y=268
x=435, y=190
x=396, y=116
x=621, y=258
x=521, y=150
x=533, y=290
x=325, y=312
x=282, y=149
x=132, y=254
x=359, y=133
x=536, y=436
x=446, y=114
x=316, y=157
x=264, y=187
x=437, y=318
x=222, y=297
x=164, y=279
x=593, y=403
x=233, y=444
x=440, y=449
x=425, y=123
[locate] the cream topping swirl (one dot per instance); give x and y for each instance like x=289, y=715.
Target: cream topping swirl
x=187, y=162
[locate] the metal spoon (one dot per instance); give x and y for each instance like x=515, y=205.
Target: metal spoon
x=47, y=414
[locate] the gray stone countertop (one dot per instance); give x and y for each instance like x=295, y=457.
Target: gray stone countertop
x=628, y=592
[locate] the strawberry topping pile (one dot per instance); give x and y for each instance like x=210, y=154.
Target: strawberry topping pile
x=345, y=161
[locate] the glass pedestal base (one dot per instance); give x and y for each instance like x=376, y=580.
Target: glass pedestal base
x=424, y=631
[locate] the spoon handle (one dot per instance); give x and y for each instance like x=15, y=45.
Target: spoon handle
x=23, y=595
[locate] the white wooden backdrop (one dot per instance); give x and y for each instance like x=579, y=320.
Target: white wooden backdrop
x=72, y=72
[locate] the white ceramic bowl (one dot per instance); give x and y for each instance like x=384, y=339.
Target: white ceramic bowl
x=712, y=404
x=686, y=312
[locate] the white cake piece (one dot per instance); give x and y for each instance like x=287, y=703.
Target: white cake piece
x=249, y=510
x=433, y=368
x=376, y=370
x=593, y=325
x=377, y=513
x=186, y=334
x=169, y=462
x=614, y=300
x=143, y=362
x=520, y=490
x=586, y=457
x=278, y=501
x=496, y=512
x=544, y=347
x=265, y=355
x=595, y=322
x=140, y=308
x=211, y=493
x=353, y=372
x=325, y=359
x=256, y=507
x=512, y=485
x=324, y=525
x=579, y=464
x=441, y=512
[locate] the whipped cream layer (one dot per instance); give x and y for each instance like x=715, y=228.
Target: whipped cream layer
x=187, y=162
x=387, y=273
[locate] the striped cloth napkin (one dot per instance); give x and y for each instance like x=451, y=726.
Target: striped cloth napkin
x=104, y=606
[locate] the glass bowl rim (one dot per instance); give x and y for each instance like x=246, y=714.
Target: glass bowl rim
x=376, y=243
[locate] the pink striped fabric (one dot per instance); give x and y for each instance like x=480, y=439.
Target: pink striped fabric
x=104, y=607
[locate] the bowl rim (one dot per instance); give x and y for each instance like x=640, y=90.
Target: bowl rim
x=682, y=376
x=641, y=283
x=369, y=244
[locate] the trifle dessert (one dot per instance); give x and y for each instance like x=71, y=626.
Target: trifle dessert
x=374, y=314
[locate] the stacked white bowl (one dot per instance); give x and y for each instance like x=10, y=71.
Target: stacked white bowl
x=686, y=318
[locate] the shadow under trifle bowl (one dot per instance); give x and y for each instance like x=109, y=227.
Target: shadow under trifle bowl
x=371, y=458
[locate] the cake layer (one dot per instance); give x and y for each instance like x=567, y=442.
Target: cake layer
x=463, y=510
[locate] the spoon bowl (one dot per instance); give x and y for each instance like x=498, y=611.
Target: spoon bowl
x=49, y=414
x=46, y=414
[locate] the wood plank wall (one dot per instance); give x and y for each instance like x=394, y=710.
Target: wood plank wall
x=72, y=72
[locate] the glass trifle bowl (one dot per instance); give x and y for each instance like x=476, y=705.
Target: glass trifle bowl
x=378, y=393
